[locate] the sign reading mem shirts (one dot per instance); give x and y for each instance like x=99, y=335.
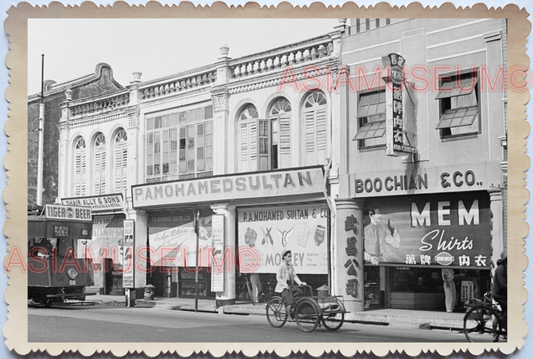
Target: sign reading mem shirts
x=300, y=228
x=429, y=230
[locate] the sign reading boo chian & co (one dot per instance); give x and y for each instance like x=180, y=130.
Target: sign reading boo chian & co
x=237, y=186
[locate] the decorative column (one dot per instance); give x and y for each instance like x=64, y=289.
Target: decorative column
x=64, y=154
x=348, y=268
x=140, y=248
x=496, y=226
x=228, y=295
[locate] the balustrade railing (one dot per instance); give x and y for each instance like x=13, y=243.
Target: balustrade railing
x=179, y=84
x=280, y=58
x=100, y=105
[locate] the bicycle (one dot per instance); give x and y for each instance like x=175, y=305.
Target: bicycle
x=308, y=311
x=483, y=322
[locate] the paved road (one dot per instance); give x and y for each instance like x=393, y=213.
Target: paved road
x=114, y=324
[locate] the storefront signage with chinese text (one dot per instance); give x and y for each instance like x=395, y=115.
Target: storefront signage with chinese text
x=429, y=230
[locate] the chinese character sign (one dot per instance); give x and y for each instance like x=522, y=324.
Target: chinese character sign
x=429, y=230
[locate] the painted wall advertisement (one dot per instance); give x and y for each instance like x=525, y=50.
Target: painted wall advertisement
x=436, y=230
x=300, y=228
x=173, y=240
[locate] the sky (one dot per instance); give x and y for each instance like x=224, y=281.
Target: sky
x=156, y=47
x=82, y=61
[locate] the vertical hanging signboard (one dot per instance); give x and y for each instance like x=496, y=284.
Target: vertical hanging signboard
x=397, y=143
x=128, y=280
x=217, y=262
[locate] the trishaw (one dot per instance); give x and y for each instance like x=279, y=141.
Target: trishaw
x=308, y=311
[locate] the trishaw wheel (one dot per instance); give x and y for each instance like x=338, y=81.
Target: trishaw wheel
x=276, y=312
x=307, y=315
x=481, y=325
x=333, y=321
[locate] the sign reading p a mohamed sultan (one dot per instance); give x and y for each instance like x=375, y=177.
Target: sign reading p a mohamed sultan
x=236, y=186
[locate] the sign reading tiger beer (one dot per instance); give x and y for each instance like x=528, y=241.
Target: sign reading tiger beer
x=300, y=228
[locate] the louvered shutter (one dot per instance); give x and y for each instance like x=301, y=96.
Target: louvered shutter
x=321, y=137
x=121, y=161
x=80, y=172
x=285, y=140
x=248, y=146
x=97, y=164
x=310, y=146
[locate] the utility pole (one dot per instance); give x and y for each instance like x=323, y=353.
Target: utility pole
x=40, y=158
x=197, y=233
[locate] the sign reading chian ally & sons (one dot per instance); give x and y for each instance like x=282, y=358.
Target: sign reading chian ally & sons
x=97, y=203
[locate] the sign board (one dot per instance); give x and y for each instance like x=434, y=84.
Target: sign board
x=217, y=265
x=97, y=203
x=128, y=254
x=302, y=229
x=70, y=213
x=429, y=230
x=236, y=186
x=397, y=142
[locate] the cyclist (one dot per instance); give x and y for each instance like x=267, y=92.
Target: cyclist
x=286, y=276
x=499, y=287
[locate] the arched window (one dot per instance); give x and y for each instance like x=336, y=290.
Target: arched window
x=80, y=167
x=280, y=124
x=120, y=149
x=315, y=129
x=99, y=160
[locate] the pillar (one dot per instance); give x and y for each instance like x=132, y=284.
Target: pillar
x=140, y=250
x=496, y=227
x=348, y=263
x=228, y=295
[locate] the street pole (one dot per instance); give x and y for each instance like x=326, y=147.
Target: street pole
x=40, y=158
x=196, y=232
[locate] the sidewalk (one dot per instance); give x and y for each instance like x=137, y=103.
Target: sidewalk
x=392, y=317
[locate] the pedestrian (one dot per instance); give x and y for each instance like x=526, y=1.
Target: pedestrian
x=499, y=287
x=449, y=289
x=286, y=276
x=256, y=286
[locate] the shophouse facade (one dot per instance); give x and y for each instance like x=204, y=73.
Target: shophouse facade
x=240, y=147
x=247, y=157
x=430, y=157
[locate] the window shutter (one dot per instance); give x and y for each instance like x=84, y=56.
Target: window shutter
x=321, y=137
x=285, y=140
x=97, y=164
x=80, y=171
x=248, y=146
x=310, y=152
x=121, y=161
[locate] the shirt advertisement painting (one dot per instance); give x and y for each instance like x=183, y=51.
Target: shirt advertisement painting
x=429, y=230
x=300, y=228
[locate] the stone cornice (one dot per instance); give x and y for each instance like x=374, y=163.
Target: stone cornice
x=96, y=120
